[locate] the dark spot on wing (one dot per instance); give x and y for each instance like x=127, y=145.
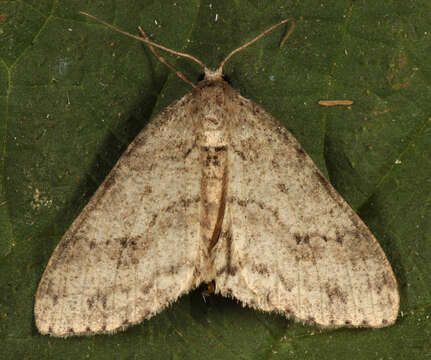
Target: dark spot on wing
x=145, y=315
x=229, y=268
x=187, y=153
x=260, y=269
x=289, y=312
x=183, y=203
x=275, y=164
x=147, y=190
x=287, y=285
x=379, y=288
x=145, y=289
x=220, y=148
x=282, y=188
x=90, y=302
x=153, y=220
x=301, y=239
x=268, y=299
x=328, y=187
x=109, y=182
x=339, y=238
x=173, y=270
x=242, y=203
x=300, y=151
x=189, y=150
x=240, y=154
x=335, y=293
x=104, y=301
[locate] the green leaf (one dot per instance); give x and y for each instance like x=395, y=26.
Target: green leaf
x=73, y=95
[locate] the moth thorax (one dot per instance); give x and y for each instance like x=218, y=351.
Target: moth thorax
x=212, y=130
x=214, y=138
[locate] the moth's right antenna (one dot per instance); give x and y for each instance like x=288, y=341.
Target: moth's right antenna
x=292, y=27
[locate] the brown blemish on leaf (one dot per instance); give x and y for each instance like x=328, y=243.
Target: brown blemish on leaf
x=335, y=102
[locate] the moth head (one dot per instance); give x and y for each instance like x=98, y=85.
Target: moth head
x=213, y=75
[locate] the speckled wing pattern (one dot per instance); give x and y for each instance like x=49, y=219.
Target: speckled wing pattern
x=214, y=188
x=134, y=247
x=294, y=245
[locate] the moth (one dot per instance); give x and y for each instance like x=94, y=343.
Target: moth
x=215, y=189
